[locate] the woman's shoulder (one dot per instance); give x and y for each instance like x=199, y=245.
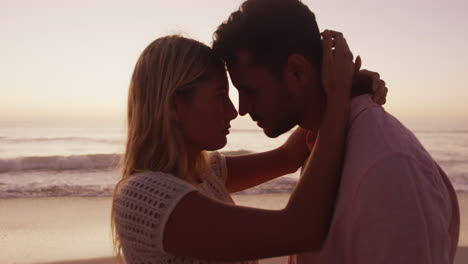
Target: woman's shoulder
x=154, y=183
x=142, y=206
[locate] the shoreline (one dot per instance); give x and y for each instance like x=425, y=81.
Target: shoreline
x=73, y=230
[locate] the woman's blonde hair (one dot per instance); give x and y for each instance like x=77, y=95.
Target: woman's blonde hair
x=169, y=66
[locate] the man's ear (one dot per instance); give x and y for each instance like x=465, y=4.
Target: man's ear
x=297, y=71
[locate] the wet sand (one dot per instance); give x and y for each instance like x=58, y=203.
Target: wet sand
x=77, y=230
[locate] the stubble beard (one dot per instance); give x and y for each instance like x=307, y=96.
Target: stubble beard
x=286, y=118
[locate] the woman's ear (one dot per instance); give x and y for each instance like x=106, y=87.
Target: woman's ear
x=180, y=104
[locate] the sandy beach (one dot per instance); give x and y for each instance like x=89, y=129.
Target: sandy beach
x=77, y=229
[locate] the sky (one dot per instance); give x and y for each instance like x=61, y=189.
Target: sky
x=63, y=60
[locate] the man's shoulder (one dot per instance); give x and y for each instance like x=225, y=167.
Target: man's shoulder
x=376, y=134
x=367, y=135
x=377, y=128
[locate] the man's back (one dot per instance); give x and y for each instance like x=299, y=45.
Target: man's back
x=395, y=205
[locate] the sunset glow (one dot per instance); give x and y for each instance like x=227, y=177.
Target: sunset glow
x=72, y=60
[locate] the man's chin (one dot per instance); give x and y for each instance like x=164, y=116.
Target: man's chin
x=278, y=131
x=270, y=133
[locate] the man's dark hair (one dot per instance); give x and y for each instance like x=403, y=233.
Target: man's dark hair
x=270, y=31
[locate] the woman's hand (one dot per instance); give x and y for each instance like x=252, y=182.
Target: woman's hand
x=318, y=185
x=338, y=68
x=366, y=81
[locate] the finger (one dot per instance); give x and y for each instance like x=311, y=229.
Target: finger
x=375, y=81
x=369, y=79
x=327, y=45
x=371, y=74
x=385, y=92
x=357, y=64
x=347, y=50
x=341, y=45
x=335, y=34
x=364, y=72
x=338, y=40
x=378, y=100
x=381, y=95
x=382, y=100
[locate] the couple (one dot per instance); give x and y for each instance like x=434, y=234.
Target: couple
x=368, y=192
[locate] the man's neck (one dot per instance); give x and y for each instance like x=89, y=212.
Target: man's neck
x=313, y=110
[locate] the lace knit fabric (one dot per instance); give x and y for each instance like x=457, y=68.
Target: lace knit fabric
x=145, y=202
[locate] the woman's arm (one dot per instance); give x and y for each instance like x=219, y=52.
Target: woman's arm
x=246, y=171
x=203, y=228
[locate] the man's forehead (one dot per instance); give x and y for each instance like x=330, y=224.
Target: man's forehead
x=242, y=57
x=240, y=60
x=239, y=68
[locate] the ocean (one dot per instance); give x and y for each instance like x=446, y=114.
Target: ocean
x=43, y=160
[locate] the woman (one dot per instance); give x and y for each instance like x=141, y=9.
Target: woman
x=173, y=204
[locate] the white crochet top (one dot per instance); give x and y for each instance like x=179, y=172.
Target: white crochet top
x=144, y=203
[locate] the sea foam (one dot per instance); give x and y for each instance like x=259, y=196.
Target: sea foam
x=74, y=162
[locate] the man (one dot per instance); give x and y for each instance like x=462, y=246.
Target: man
x=395, y=204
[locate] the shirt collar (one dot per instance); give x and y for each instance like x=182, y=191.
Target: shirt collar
x=358, y=105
